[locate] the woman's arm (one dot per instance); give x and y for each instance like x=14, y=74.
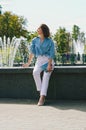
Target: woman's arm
x=29, y=60
x=49, y=68
x=50, y=62
x=51, y=57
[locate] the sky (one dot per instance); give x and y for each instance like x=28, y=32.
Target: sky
x=54, y=13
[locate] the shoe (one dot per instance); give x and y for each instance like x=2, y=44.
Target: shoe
x=41, y=101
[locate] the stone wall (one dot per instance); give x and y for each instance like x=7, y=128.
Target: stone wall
x=67, y=82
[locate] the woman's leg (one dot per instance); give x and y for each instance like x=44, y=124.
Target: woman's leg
x=36, y=74
x=45, y=83
x=44, y=87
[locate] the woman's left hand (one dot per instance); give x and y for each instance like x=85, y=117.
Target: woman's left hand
x=49, y=68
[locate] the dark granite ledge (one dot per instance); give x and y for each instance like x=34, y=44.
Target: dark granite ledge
x=66, y=82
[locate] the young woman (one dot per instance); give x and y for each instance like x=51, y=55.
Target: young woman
x=43, y=48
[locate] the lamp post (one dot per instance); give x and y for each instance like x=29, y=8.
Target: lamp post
x=0, y=9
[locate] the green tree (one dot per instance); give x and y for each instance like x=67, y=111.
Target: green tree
x=31, y=35
x=22, y=52
x=75, y=32
x=12, y=25
x=77, y=36
x=62, y=38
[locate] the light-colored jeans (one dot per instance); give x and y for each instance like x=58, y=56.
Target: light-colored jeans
x=42, y=84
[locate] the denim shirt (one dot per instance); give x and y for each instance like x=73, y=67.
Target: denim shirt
x=45, y=48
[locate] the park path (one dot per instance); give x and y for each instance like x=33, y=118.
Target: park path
x=24, y=114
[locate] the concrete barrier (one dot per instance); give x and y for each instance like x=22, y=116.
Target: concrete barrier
x=67, y=82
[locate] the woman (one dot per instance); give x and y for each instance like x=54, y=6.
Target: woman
x=43, y=48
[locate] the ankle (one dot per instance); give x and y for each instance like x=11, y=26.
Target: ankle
x=42, y=97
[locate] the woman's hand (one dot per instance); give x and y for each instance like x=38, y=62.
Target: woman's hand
x=49, y=68
x=29, y=61
x=25, y=65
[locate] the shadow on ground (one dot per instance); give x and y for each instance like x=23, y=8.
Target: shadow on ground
x=68, y=104
x=79, y=105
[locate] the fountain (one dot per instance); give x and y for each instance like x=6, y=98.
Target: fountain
x=8, y=50
x=78, y=47
x=75, y=57
x=67, y=82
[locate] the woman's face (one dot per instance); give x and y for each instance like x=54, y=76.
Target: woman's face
x=39, y=31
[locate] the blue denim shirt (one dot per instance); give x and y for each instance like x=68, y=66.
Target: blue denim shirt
x=45, y=48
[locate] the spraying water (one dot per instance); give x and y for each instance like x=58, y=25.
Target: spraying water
x=79, y=47
x=8, y=50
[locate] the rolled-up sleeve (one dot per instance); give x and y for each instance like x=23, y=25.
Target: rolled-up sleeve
x=32, y=47
x=52, y=50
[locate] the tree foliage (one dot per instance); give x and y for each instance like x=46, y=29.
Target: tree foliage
x=62, y=38
x=12, y=25
x=22, y=52
x=75, y=32
x=31, y=35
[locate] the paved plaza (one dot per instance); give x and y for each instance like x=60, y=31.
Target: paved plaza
x=24, y=114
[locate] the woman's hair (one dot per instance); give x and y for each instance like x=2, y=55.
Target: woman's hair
x=45, y=30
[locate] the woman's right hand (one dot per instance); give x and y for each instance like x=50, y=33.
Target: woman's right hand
x=25, y=65
x=29, y=61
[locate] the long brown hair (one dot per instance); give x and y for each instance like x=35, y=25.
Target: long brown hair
x=45, y=30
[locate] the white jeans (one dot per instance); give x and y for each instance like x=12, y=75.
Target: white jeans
x=41, y=84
